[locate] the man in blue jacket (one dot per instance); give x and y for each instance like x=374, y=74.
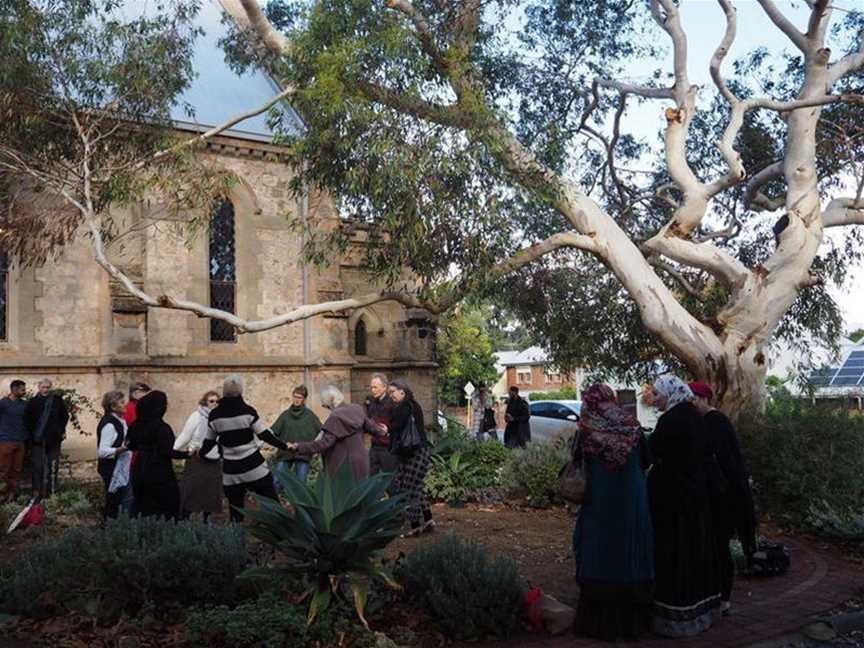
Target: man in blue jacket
x=13, y=437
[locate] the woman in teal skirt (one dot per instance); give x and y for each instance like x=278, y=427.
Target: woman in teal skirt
x=613, y=542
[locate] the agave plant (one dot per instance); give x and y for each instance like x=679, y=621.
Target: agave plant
x=334, y=535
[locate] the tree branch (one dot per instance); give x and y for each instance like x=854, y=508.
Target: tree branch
x=754, y=185
x=704, y=256
x=213, y=132
x=250, y=18
x=843, y=211
x=677, y=275
x=723, y=49
x=785, y=25
x=415, y=105
x=640, y=91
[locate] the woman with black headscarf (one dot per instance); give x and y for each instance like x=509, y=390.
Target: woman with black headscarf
x=153, y=481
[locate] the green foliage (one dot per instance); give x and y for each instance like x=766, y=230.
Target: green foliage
x=806, y=462
x=465, y=353
x=857, y=335
x=273, y=622
x=487, y=457
x=128, y=563
x=567, y=393
x=845, y=523
x=532, y=472
x=87, y=89
x=68, y=502
x=335, y=535
x=451, y=479
x=454, y=439
x=471, y=594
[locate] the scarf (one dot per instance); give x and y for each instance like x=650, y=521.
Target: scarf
x=674, y=389
x=608, y=433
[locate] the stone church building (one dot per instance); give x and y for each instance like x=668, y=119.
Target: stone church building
x=67, y=321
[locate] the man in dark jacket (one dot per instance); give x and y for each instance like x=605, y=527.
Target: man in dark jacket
x=379, y=408
x=45, y=419
x=518, y=431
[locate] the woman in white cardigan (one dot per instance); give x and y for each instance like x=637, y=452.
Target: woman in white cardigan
x=201, y=486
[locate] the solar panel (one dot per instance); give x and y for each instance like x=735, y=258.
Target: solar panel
x=822, y=377
x=851, y=373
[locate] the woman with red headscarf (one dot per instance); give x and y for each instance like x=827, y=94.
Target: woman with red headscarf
x=731, y=497
x=613, y=541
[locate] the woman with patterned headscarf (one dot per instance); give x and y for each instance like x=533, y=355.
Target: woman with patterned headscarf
x=687, y=583
x=613, y=541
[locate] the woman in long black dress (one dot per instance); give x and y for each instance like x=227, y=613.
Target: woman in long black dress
x=153, y=481
x=687, y=578
x=732, y=504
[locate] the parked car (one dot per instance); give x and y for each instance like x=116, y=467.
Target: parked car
x=552, y=420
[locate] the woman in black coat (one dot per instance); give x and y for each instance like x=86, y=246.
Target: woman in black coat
x=687, y=573
x=413, y=464
x=153, y=481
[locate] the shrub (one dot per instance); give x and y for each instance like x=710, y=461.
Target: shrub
x=487, y=458
x=271, y=621
x=567, y=393
x=532, y=472
x=454, y=439
x=68, y=502
x=805, y=459
x=470, y=594
x=846, y=524
x=129, y=562
x=335, y=535
x=451, y=479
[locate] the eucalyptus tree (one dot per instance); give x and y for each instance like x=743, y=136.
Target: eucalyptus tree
x=483, y=146
x=484, y=143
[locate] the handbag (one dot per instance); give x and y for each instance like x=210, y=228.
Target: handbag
x=409, y=440
x=572, y=482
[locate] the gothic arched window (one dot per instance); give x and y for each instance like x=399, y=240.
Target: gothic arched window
x=223, y=271
x=360, y=338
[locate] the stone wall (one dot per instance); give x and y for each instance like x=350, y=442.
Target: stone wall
x=68, y=322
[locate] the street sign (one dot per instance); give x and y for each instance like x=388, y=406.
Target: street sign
x=469, y=389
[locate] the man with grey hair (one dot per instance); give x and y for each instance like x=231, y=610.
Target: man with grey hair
x=379, y=408
x=233, y=426
x=45, y=420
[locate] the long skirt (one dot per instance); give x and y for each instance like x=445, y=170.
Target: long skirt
x=687, y=595
x=201, y=486
x=613, y=548
x=411, y=479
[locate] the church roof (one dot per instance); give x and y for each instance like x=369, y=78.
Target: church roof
x=217, y=92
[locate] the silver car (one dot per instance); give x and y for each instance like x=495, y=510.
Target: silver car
x=552, y=420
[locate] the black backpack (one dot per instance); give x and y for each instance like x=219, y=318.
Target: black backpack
x=770, y=559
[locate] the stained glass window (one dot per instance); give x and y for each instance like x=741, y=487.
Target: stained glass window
x=4, y=296
x=223, y=271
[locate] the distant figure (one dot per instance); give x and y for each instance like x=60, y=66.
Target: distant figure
x=112, y=449
x=518, y=431
x=234, y=426
x=483, y=414
x=45, y=419
x=153, y=482
x=732, y=500
x=13, y=436
x=687, y=571
x=342, y=435
x=411, y=475
x=379, y=408
x=201, y=487
x=613, y=542
x=296, y=424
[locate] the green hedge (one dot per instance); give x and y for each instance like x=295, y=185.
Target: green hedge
x=532, y=472
x=807, y=464
x=568, y=393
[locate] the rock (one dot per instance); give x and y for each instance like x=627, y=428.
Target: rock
x=128, y=642
x=558, y=618
x=383, y=641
